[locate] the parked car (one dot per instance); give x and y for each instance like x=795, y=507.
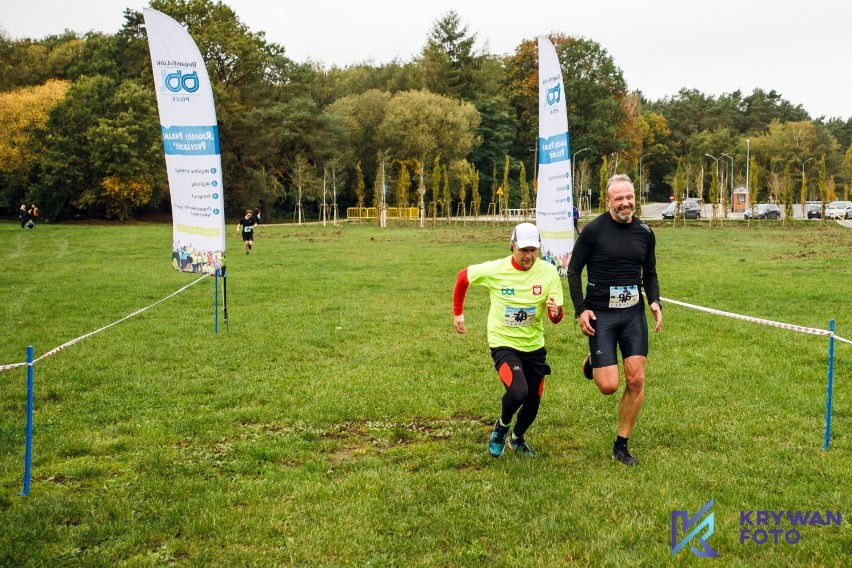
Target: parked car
x=763, y=211
x=669, y=211
x=814, y=211
x=839, y=210
x=691, y=209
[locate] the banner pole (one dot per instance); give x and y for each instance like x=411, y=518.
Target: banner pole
x=225, y=294
x=830, y=384
x=216, y=301
x=28, y=459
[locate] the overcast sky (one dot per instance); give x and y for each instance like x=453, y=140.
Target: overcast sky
x=802, y=49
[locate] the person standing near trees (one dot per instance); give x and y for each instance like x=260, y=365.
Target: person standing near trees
x=618, y=251
x=246, y=227
x=33, y=213
x=23, y=215
x=522, y=290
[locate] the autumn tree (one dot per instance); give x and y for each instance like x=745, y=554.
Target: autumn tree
x=505, y=185
x=476, y=198
x=306, y=184
x=604, y=178
x=360, y=193
x=524, y=187
x=23, y=113
x=787, y=194
x=822, y=182
x=101, y=130
x=594, y=92
x=699, y=183
x=680, y=182
x=403, y=185
x=446, y=194
x=419, y=124
x=359, y=115
x=382, y=179
x=461, y=171
x=436, y=179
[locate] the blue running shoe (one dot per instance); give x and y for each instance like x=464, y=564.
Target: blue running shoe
x=498, y=439
x=521, y=447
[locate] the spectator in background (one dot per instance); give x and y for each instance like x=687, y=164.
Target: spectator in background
x=34, y=213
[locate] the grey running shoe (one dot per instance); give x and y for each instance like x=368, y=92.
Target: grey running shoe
x=521, y=447
x=622, y=455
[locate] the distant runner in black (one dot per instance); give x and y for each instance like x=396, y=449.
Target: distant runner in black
x=246, y=228
x=617, y=250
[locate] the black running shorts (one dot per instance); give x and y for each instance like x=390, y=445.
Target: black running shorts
x=534, y=363
x=626, y=328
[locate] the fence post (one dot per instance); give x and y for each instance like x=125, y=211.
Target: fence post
x=28, y=458
x=830, y=382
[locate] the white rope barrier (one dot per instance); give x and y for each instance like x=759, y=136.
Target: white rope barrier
x=788, y=326
x=82, y=337
x=781, y=325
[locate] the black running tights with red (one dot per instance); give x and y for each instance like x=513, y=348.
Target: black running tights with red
x=523, y=376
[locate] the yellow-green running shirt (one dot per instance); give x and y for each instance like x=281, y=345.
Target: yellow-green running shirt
x=518, y=297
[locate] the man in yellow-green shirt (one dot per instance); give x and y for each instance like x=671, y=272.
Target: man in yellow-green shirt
x=522, y=290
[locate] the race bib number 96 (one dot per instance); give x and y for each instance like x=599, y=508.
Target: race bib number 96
x=623, y=296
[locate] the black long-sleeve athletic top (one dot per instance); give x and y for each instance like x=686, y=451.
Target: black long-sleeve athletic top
x=615, y=254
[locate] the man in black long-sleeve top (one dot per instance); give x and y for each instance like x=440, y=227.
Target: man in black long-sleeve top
x=617, y=250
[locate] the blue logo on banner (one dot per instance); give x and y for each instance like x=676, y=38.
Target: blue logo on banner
x=554, y=94
x=191, y=140
x=706, y=525
x=178, y=81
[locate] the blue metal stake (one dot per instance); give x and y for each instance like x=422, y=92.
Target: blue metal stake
x=28, y=459
x=830, y=383
x=216, y=302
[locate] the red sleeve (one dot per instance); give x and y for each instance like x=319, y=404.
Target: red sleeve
x=559, y=316
x=459, y=292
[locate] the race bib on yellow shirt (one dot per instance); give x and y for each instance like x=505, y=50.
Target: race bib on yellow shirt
x=519, y=317
x=623, y=296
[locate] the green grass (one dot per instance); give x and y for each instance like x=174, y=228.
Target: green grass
x=339, y=419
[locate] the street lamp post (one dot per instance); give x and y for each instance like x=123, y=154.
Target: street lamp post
x=748, y=179
x=574, y=161
x=715, y=159
x=731, y=179
x=640, y=175
x=535, y=165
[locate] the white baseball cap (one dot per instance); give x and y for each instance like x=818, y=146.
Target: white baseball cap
x=526, y=235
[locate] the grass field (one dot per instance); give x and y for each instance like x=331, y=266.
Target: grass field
x=339, y=420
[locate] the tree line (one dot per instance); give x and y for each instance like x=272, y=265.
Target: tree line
x=453, y=125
